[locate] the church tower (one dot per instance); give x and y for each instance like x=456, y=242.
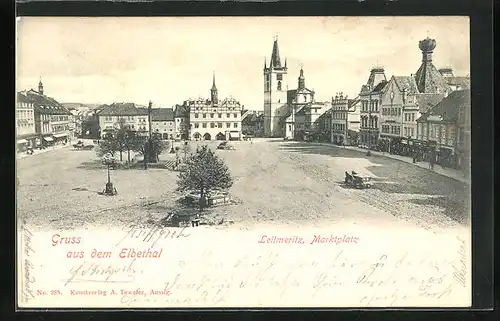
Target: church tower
x=214, y=93
x=275, y=91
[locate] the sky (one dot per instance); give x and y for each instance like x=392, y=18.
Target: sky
x=101, y=60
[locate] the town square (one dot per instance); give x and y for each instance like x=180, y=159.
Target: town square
x=397, y=149
x=243, y=162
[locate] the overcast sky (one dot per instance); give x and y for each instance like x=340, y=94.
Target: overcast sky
x=168, y=60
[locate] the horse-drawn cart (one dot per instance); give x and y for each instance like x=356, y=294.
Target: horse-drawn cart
x=355, y=180
x=81, y=145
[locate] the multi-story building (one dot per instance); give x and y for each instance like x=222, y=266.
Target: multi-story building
x=440, y=126
x=300, y=117
x=464, y=135
x=252, y=123
x=163, y=122
x=370, y=98
x=213, y=119
x=275, y=93
x=117, y=115
x=345, y=115
x=25, y=122
x=52, y=119
x=406, y=98
x=181, y=118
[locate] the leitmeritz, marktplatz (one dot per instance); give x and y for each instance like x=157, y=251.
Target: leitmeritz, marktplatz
x=258, y=146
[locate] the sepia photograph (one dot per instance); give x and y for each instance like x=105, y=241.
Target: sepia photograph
x=243, y=162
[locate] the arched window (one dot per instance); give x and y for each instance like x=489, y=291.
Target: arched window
x=279, y=85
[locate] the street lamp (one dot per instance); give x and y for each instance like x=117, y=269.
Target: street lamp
x=110, y=189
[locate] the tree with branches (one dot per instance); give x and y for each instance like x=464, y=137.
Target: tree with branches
x=205, y=172
x=141, y=145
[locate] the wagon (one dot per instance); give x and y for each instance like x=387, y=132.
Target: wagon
x=357, y=181
x=88, y=147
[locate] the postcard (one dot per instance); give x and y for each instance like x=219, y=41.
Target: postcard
x=243, y=162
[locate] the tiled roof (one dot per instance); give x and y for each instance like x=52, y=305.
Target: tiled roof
x=162, y=114
x=23, y=98
x=406, y=82
x=426, y=101
x=429, y=79
x=448, y=108
x=458, y=81
x=180, y=110
x=46, y=105
x=380, y=86
x=122, y=109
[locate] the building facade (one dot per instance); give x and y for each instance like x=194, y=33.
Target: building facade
x=25, y=123
x=370, y=98
x=163, y=122
x=275, y=93
x=214, y=119
x=345, y=118
x=252, y=123
x=117, y=115
x=407, y=98
x=52, y=119
x=441, y=130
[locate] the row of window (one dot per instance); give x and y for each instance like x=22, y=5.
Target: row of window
x=369, y=105
x=59, y=118
x=228, y=115
x=369, y=123
x=391, y=129
x=339, y=115
x=409, y=116
x=339, y=126
x=25, y=113
x=228, y=106
x=25, y=123
x=59, y=128
x=214, y=125
x=24, y=105
x=395, y=111
x=409, y=131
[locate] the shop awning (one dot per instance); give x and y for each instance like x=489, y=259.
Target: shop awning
x=48, y=139
x=60, y=135
x=22, y=141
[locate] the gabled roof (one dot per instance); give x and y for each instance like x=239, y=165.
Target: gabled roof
x=406, y=83
x=464, y=82
x=122, y=109
x=162, y=114
x=448, y=108
x=427, y=101
x=181, y=110
x=45, y=105
x=380, y=86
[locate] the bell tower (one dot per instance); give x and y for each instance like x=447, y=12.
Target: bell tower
x=275, y=91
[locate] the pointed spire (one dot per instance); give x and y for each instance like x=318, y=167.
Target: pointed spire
x=265, y=63
x=275, y=56
x=213, y=82
x=285, y=64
